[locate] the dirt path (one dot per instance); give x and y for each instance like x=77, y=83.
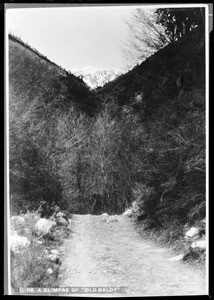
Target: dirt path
x=112, y=254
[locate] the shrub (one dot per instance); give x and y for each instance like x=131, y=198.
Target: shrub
x=29, y=268
x=30, y=264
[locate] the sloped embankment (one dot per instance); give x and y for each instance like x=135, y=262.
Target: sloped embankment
x=31, y=75
x=44, y=100
x=159, y=79
x=162, y=103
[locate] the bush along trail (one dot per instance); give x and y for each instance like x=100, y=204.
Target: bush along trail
x=35, y=245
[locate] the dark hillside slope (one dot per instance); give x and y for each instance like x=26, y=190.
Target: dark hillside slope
x=48, y=108
x=161, y=107
x=32, y=73
x=159, y=79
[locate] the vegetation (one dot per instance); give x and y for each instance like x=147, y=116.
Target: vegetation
x=41, y=97
x=30, y=265
x=150, y=30
x=162, y=109
x=146, y=36
x=140, y=137
x=179, y=22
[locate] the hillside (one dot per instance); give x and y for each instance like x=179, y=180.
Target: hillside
x=161, y=106
x=153, y=82
x=32, y=73
x=46, y=104
x=146, y=142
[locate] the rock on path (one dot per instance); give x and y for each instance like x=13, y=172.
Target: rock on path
x=102, y=254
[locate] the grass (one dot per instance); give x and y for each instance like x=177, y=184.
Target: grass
x=30, y=266
x=172, y=237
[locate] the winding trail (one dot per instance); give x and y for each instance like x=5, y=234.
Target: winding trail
x=101, y=252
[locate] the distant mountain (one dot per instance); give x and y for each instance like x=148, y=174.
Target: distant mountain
x=98, y=78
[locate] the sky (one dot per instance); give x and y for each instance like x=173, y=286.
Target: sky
x=75, y=38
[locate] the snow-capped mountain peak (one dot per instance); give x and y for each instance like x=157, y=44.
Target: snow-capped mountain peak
x=95, y=77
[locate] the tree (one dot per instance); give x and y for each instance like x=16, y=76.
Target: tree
x=145, y=36
x=151, y=30
x=180, y=21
